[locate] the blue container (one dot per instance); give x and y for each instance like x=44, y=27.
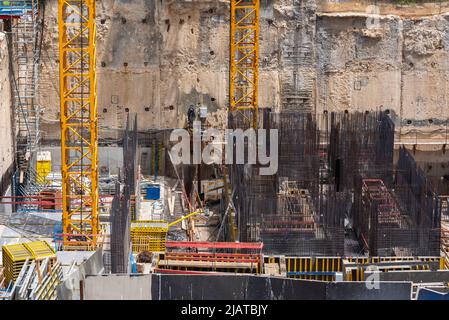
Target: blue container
x=58, y=231
x=153, y=192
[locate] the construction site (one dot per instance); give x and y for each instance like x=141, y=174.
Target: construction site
x=224, y=150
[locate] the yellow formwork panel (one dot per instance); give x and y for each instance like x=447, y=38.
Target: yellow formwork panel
x=15, y=255
x=43, y=169
x=148, y=236
x=313, y=268
x=444, y=262
x=322, y=268
x=271, y=259
x=40, y=250
x=16, y=252
x=328, y=265
x=357, y=273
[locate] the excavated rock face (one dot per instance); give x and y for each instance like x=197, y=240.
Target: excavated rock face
x=400, y=64
x=157, y=58
x=6, y=143
x=422, y=39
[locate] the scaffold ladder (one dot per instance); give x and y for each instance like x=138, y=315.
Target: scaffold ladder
x=25, y=34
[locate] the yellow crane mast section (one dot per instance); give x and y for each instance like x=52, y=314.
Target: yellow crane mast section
x=79, y=126
x=244, y=57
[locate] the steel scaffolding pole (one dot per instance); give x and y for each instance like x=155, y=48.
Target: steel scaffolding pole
x=79, y=128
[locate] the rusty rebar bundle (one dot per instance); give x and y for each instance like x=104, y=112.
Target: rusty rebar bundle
x=122, y=211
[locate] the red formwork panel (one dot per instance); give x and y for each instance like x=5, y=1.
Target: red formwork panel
x=215, y=245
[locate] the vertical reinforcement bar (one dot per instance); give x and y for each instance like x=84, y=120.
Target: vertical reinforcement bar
x=79, y=131
x=244, y=56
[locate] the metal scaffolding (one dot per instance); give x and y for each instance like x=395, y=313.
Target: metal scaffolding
x=26, y=31
x=244, y=55
x=79, y=128
x=24, y=25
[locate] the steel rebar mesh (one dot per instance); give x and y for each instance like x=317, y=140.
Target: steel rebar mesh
x=400, y=221
x=298, y=147
x=360, y=143
x=121, y=209
x=289, y=211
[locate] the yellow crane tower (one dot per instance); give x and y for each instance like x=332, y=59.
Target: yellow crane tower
x=78, y=95
x=244, y=58
x=244, y=77
x=79, y=129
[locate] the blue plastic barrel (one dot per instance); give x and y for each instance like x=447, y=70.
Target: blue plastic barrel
x=153, y=192
x=58, y=231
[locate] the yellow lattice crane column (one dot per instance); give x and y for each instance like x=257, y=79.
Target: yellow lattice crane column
x=244, y=56
x=79, y=131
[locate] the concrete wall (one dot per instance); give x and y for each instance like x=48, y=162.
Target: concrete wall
x=413, y=276
x=86, y=264
x=118, y=287
x=6, y=141
x=108, y=157
x=230, y=287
